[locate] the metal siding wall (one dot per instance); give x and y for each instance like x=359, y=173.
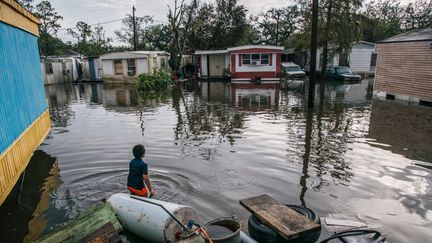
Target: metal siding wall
x=22, y=95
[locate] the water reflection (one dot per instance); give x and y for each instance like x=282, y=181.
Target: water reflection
x=29, y=204
x=211, y=143
x=201, y=125
x=408, y=134
x=255, y=97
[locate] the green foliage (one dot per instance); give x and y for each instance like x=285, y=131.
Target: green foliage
x=159, y=80
x=219, y=25
x=180, y=18
x=52, y=46
x=90, y=41
x=276, y=26
x=149, y=37
x=49, y=25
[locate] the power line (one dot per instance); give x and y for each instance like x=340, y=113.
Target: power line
x=101, y=23
x=111, y=21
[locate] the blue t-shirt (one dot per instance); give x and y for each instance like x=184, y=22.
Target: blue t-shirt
x=137, y=168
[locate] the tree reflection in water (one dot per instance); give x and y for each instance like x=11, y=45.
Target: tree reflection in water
x=202, y=125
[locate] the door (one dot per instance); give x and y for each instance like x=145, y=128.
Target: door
x=92, y=69
x=216, y=65
x=118, y=67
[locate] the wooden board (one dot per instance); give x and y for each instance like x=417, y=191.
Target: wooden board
x=106, y=234
x=285, y=221
x=88, y=222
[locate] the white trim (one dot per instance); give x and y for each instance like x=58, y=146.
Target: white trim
x=281, y=48
x=132, y=55
x=364, y=42
x=207, y=52
x=249, y=79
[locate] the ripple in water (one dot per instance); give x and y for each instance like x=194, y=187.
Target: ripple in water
x=171, y=185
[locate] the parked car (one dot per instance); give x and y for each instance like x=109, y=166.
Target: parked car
x=292, y=71
x=342, y=73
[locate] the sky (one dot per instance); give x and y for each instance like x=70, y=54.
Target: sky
x=99, y=11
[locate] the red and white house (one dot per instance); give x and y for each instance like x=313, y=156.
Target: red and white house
x=245, y=63
x=255, y=62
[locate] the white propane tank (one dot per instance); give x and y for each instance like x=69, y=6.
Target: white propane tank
x=150, y=221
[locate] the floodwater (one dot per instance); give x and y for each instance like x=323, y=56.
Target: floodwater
x=210, y=144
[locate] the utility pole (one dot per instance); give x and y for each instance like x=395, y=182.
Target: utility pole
x=134, y=28
x=312, y=74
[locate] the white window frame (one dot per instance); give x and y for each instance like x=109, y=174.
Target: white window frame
x=131, y=69
x=255, y=59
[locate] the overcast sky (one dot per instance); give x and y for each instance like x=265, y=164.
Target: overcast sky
x=98, y=11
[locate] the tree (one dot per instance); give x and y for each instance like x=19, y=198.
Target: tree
x=230, y=24
x=49, y=23
x=219, y=25
x=126, y=33
x=339, y=27
x=90, y=42
x=81, y=32
x=417, y=15
x=179, y=19
x=156, y=38
x=27, y=4
x=276, y=26
x=381, y=20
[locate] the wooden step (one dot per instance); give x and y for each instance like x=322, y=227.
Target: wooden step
x=283, y=220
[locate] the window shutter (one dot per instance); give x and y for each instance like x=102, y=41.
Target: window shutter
x=270, y=59
x=240, y=59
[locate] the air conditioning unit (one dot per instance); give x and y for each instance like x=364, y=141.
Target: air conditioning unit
x=256, y=63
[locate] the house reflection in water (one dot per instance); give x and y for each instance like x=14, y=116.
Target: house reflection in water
x=120, y=96
x=39, y=182
x=215, y=91
x=255, y=97
x=405, y=128
x=245, y=96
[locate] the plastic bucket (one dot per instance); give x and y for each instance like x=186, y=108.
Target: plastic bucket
x=224, y=230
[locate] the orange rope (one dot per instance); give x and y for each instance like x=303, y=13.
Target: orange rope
x=205, y=234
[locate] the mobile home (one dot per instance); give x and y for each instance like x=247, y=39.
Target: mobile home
x=213, y=63
x=242, y=63
x=255, y=63
x=24, y=115
x=404, y=67
x=61, y=69
x=361, y=58
x=127, y=66
x=92, y=69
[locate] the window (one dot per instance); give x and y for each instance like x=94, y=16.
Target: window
x=373, y=60
x=49, y=68
x=131, y=67
x=118, y=67
x=163, y=62
x=264, y=58
x=256, y=59
x=330, y=70
x=246, y=58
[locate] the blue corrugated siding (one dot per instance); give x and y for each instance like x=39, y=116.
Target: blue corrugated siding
x=22, y=94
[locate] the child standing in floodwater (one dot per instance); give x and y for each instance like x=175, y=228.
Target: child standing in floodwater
x=138, y=174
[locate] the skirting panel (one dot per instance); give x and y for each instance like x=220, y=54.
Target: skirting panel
x=15, y=158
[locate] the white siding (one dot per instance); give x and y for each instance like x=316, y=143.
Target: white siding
x=142, y=66
x=255, y=68
x=334, y=62
x=107, y=68
x=227, y=60
x=204, y=71
x=98, y=64
x=360, y=60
